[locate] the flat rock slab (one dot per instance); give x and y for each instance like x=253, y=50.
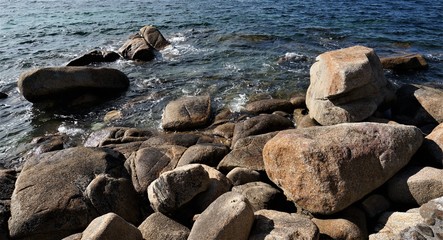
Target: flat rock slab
x=404, y=63
x=326, y=169
x=187, y=113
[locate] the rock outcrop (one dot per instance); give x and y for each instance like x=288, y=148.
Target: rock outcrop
x=187, y=113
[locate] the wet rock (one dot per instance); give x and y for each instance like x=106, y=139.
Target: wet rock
x=60, y=85
x=136, y=48
x=247, y=153
x=180, y=139
x=49, y=143
x=375, y=204
x=3, y=95
x=347, y=85
x=5, y=213
x=49, y=200
x=160, y=227
x=95, y=56
x=208, y=154
x=337, y=165
x=187, y=113
x=240, y=176
x=154, y=37
x=229, y=217
x=404, y=63
x=261, y=195
x=225, y=130
x=117, y=135
x=432, y=149
x=111, y=226
x=391, y=224
x=112, y=115
x=147, y=164
x=175, y=188
x=271, y=224
x=269, y=106
x=259, y=125
x=7, y=183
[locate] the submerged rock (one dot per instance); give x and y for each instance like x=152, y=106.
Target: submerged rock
x=95, y=56
x=404, y=63
x=136, y=48
x=154, y=37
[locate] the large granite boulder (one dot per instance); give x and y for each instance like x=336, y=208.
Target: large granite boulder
x=391, y=224
x=261, y=195
x=160, y=227
x=208, y=154
x=187, y=113
x=154, y=37
x=326, y=169
x=55, y=84
x=269, y=106
x=111, y=226
x=136, y=48
x=404, y=63
x=95, y=56
x=347, y=85
x=59, y=193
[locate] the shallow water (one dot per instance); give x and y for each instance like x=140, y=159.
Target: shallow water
x=228, y=49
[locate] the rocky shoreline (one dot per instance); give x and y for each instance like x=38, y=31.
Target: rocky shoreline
x=356, y=158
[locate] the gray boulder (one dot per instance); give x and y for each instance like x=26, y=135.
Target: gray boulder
x=187, y=113
x=160, y=227
x=136, y=48
x=337, y=165
x=154, y=37
x=240, y=176
x=261, y=195
x=111, y=226
x=208, y=154
x=269, y=106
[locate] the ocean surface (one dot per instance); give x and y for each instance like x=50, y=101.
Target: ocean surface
x=228, y=49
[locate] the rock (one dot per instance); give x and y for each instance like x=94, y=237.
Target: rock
x=375, y=204
x=240, y=176
x=5, y=213
x=160, y=227
x=117, y=135
x=113, y=115
x=50, y=200
x=391, y=224
x=302, y=119
x=347, y=85
x=269, y=106
x=95, y=56
x=431, y=149
x=7, y=183
x=270, y=224
x=154, y=38
x=136, y=48
x=259, y=125
x=77, y=236
x=338, y=229
x=180, y=139
x=404, y=63
x=187, y=113
x=261, y=195
x=147, y=164
x=3, y=95
x=432, y=212
x=416, y=185
x=229, y=217
x=208, y=154
x=48, y=143
x=337, y=165
x=430, y=99
x=111, y=226
x=175, y=188
x=60, y=84
x=298, y=101
x=247, y=153
x=225, y=130
x=127, y=149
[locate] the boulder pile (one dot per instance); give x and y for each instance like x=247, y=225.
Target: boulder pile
x=348, y=172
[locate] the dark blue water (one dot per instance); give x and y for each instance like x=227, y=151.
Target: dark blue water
x=228, y=49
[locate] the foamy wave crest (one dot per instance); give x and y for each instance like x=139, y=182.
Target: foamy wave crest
x=70, y=131
x=237, y=104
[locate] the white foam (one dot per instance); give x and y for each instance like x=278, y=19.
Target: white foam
x=70, y=131
x=238, y=103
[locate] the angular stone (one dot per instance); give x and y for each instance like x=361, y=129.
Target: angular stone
x=269, y=106
x=432, y=212
x=247, y=153
x=175, y=188
x=95, y=56
x=208, y=154
x=327, y=169
x=404, y=63
x=391, y=224
x=154, y=37
x=229, y=217
x=240, y=176
x=270, y=224
x=160, y=227
x=50, y=200
x=111, y=226
x=347, y=85
x=136, y=48
x=187, y=113
x=432, y=149
x=259, y=125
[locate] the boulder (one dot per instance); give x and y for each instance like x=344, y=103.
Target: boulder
x=187, y=113
x=51, y=198
x=432, y=148
x=7, y=183
x=175, y=188
x=68, y=83
x=180, y=139
x=326, y=169
x=298, y=100
x=117, y=135
x=136, y=48
x=154, y=37
x=416, y=185
x=259, y=125
x=261, y=195
x=147, y=164
x=302, y=119
x=339, y=228
x=347, y=85
x=391, y=224
x=208, y=154
x=271, y=224
x=269, y=106
x=95, y=56
x=404, y=63
x=247, y=153
x=49, y=142
x=374, y=205
x=432, y=212
x=225, y=130
x=240, y=176
x=160, y=227
x=111, y=226
x=229, y=217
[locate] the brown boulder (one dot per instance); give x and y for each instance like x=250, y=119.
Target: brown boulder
x=160, y=227
x=111, y=226
x=261, y=195
x=240, y=176
x=95, y=56
x=432, y=148
x=117, y=135
x=208, y=154
x=403, y=63
x=269, y=106
x=154, y=38
x=326, y=169
x=136, y=48
x=187, y=113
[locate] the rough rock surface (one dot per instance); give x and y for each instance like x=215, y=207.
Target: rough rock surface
x=261, y=195
x=391, y=224
x=347, y=85
x=160, y=227
x=240, y=176
x=432, y=149
x=136, y=48
x=154, y=38
x=111, y=226
x=117, y=135
x=229, y=217
x=50, y=199
x=339, y=229
x=208, y=154
x=187, y=113
x=95, y=56
x=270, y=224
x=326, y=169
x=269, y=106
x=175, y=188
x=404, y=63
x=57, y=83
